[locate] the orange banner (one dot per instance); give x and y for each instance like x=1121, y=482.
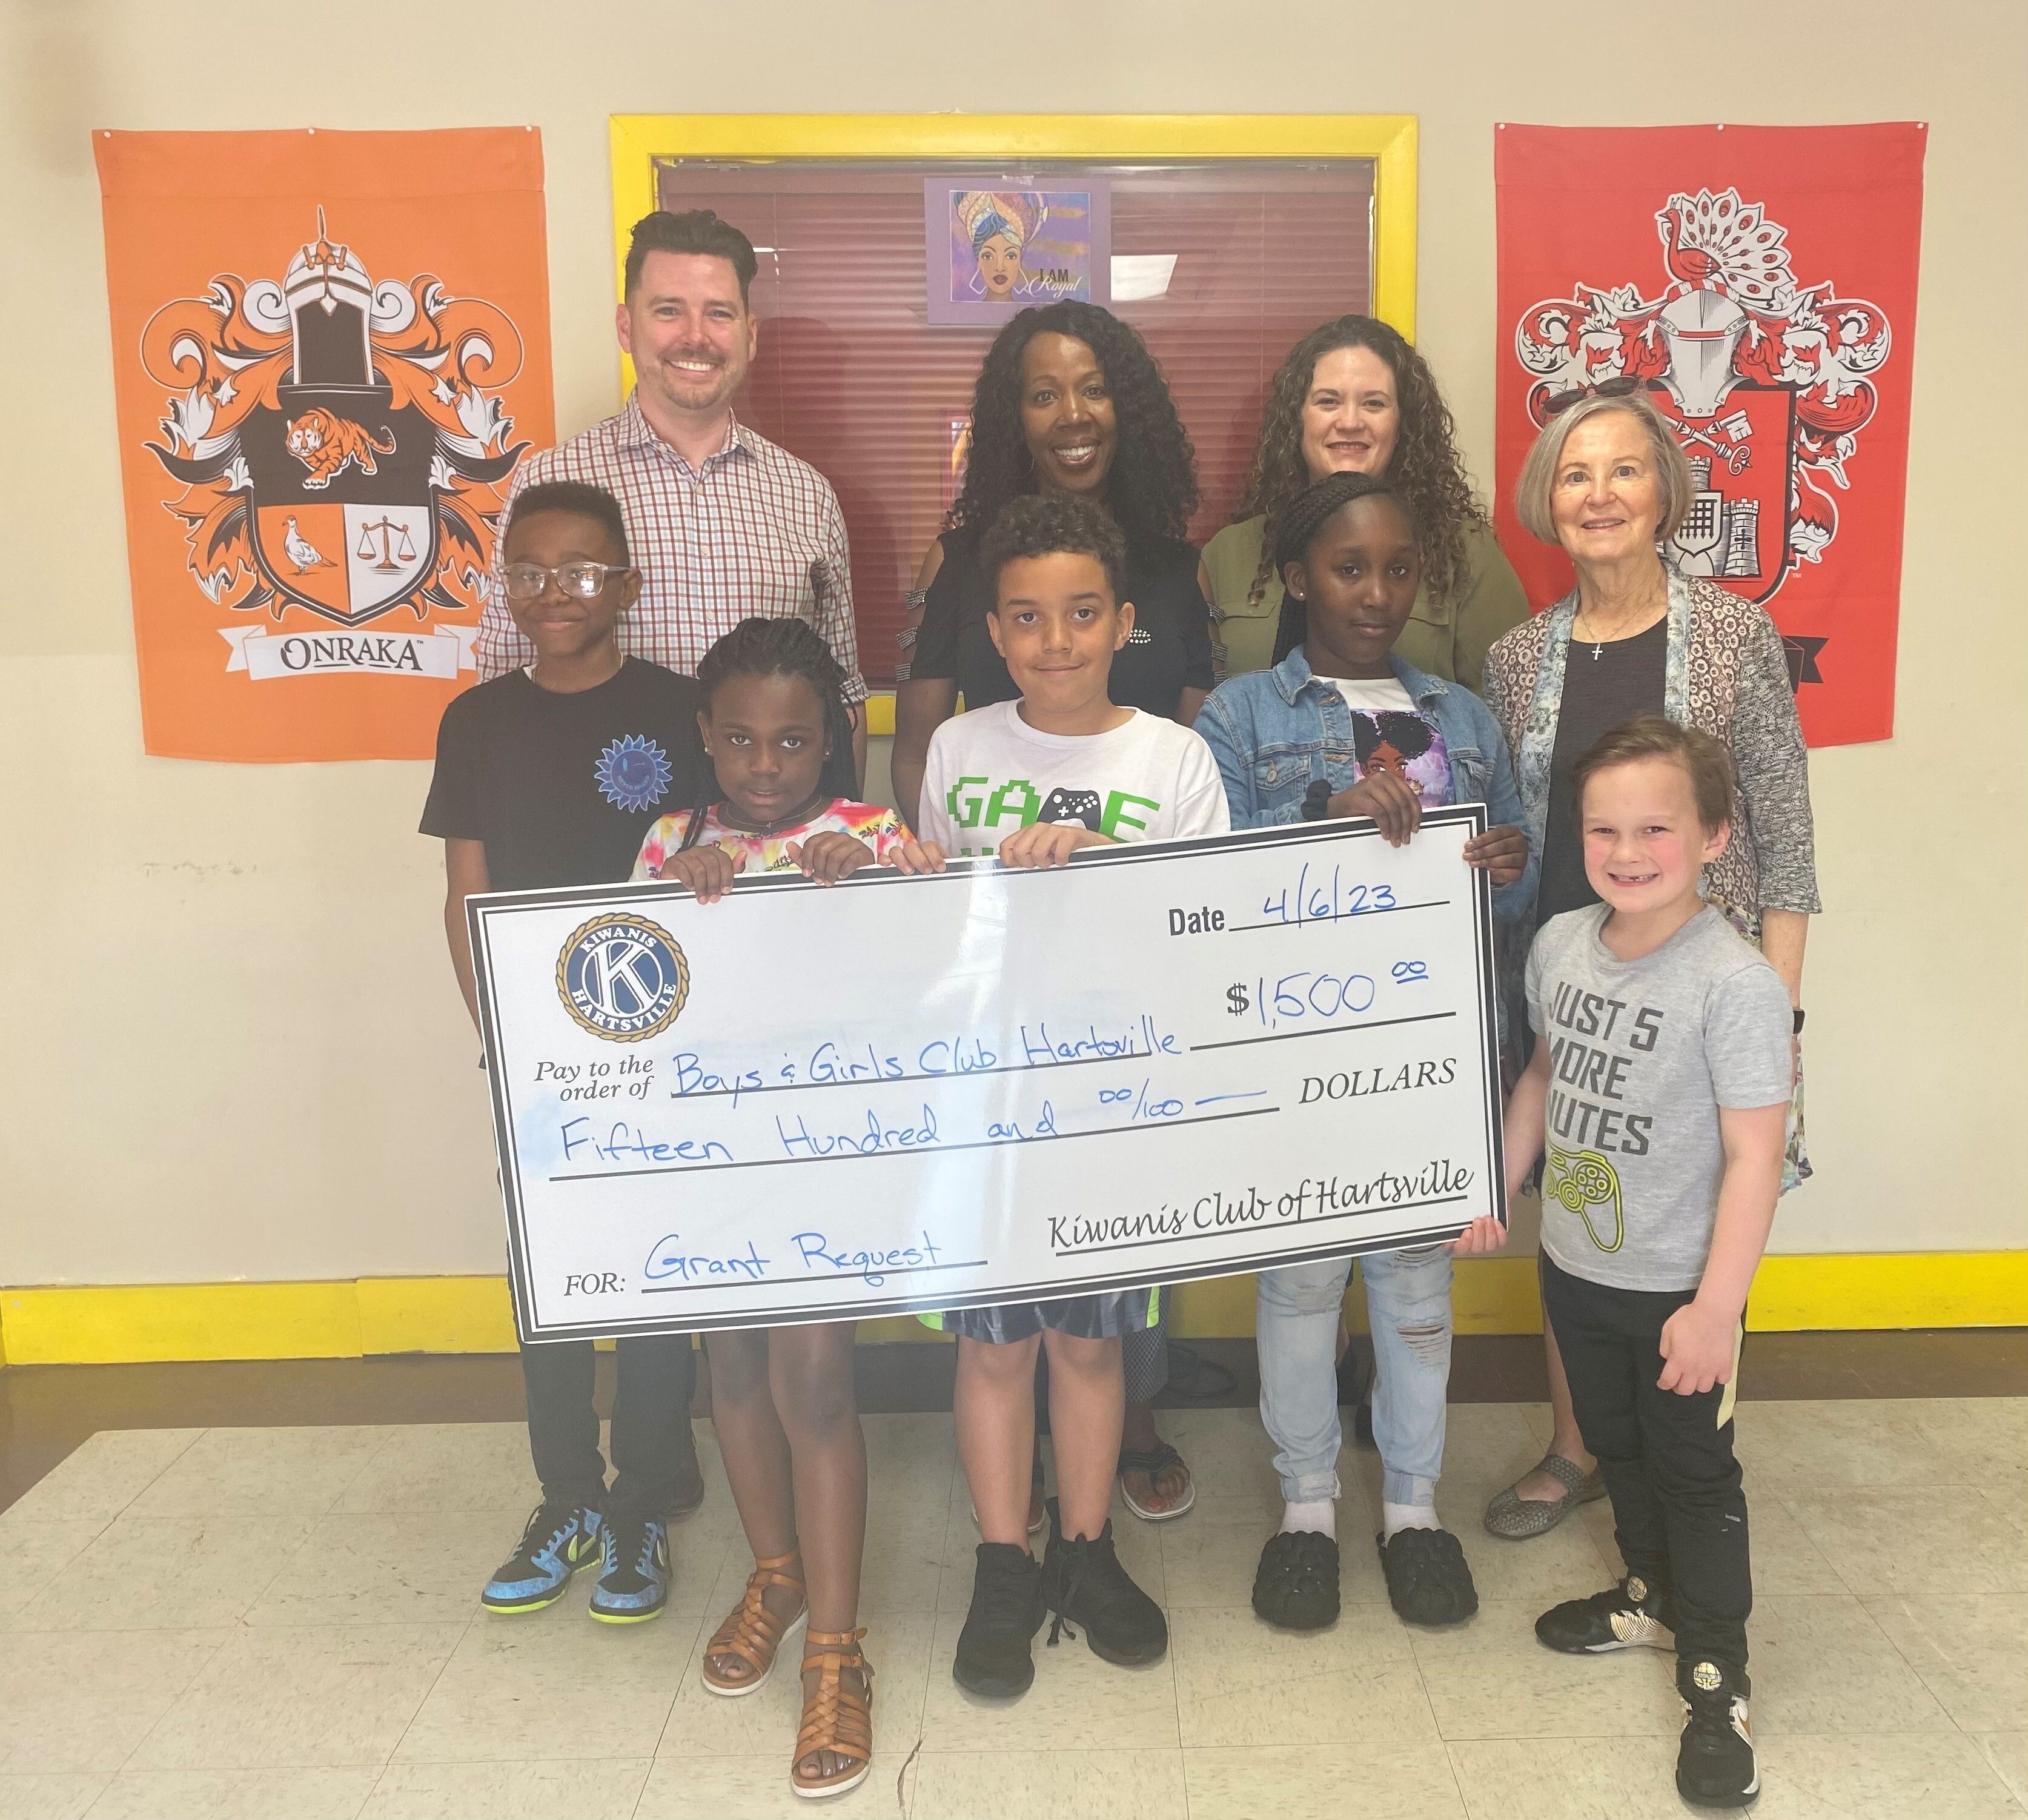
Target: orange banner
x=330, y=350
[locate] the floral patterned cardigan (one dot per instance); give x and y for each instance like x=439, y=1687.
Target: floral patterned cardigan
x=1726, y=674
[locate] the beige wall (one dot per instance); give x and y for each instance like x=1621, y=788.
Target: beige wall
x=232, y=1044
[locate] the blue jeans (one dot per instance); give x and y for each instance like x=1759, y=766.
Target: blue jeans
x=1408, y=1307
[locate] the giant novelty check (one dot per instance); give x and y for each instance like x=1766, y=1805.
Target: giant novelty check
x=803, y=1102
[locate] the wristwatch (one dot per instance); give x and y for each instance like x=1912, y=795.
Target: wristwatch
x=1799, y=1021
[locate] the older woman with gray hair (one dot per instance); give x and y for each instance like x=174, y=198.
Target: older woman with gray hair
x=1607, y=481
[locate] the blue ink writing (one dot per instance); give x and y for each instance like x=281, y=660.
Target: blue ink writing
x=667, y=1259
x=820, y=1253
x=623, y=1143
x=798, y=1140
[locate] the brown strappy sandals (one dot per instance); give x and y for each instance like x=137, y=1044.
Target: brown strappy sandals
x=837, y=1717
x=753, y=1634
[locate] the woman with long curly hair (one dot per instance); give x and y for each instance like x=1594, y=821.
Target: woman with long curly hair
x=1353, y=397
x=1070, y=401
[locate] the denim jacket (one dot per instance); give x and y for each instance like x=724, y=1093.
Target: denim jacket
x=1274, y=732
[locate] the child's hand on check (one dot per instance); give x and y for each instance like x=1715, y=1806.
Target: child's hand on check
x=1395, y=806
x=1484, y=1234
x=1503, y=851
x=708, y=871
x=830, y=856
x=918, y=857
x=1048, y=844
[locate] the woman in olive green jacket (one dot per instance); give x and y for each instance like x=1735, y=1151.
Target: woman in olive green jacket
x=1354, y=396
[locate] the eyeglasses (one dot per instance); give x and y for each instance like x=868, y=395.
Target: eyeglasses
x=574, y=580
x=1623, y=386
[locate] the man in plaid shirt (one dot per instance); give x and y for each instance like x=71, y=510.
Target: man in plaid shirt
x=723, y=525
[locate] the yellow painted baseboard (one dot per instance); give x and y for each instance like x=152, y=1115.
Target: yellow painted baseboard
x=121, y=1324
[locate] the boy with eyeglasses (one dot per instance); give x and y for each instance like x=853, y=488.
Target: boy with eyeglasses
x=551, y=776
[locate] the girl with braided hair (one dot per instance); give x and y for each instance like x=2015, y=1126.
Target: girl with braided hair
x=1343, y=725
x=773, y=713
x=1353, y=397
x=1070, y=402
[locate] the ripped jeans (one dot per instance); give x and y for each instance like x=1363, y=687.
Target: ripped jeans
x=1408, y=1307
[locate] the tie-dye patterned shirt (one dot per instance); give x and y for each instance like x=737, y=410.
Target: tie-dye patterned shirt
x=881, y=828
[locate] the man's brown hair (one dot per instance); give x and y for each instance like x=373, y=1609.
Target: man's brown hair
x=1707, y=763
x=694, y=231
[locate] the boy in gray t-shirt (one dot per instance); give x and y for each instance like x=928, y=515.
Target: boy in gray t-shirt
x=1657, y=1099
x=1641, y=1056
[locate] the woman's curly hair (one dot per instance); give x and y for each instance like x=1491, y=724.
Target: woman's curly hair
x=1152, y=487
x=1425, y=468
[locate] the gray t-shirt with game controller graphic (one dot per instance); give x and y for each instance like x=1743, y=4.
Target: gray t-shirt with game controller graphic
x=1642, y=1055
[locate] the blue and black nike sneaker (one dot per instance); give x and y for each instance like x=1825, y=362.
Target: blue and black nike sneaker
x=634, y=1579
x=560, y=1540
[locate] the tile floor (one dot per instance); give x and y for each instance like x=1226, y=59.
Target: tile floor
x=280, y=1622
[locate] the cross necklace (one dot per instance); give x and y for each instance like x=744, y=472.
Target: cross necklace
x=1598, y=644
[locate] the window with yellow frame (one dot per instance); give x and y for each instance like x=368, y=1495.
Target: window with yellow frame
x=1222, y=238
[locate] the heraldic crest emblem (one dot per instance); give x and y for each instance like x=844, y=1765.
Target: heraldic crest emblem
x=1763, y=378
x=342, y=443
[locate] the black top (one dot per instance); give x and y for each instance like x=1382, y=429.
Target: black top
x=563, y=789
x=1623, y=681
x=1169, y=650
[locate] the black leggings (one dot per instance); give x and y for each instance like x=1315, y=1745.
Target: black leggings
x=1667, y=1460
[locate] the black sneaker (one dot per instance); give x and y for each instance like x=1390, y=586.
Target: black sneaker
x=1428, y=1582
x=1296, y=1584
x=1632, y=1615
x=993, y=1656
x=559, y=1541
x=633, y=1584
x=1084, y=1584
x=1715, y=1765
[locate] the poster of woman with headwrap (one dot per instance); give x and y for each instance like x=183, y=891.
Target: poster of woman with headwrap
x=988, y=253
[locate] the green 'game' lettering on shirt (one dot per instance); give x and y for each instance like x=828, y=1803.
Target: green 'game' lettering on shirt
x=1015, y=800
x=1115, y=815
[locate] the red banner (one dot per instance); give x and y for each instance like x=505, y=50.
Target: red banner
x=330, y=352
x=1762, y=281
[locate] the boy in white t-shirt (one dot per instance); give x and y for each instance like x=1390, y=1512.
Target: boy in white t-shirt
x=1032, y=781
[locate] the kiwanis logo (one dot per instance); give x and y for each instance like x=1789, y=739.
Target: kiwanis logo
x=622, y=977
x=337, y=450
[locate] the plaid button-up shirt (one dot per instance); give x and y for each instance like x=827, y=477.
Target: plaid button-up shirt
x=753, y=532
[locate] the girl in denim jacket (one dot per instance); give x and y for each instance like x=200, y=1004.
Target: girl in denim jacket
x=1342, y=727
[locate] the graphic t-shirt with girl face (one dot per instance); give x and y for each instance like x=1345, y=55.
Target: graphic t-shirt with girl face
x=881, y=830
x=1388, y=734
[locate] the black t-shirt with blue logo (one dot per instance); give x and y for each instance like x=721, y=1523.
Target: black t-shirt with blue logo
x=562, y=789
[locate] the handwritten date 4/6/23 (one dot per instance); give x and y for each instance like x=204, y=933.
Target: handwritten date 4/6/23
x=1307, y=900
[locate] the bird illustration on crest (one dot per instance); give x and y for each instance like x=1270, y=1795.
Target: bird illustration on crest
x=302, y=553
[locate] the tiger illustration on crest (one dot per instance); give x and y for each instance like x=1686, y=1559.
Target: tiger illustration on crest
x=326, y=444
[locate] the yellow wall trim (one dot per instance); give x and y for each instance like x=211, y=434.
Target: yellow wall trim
x=125, y=1324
